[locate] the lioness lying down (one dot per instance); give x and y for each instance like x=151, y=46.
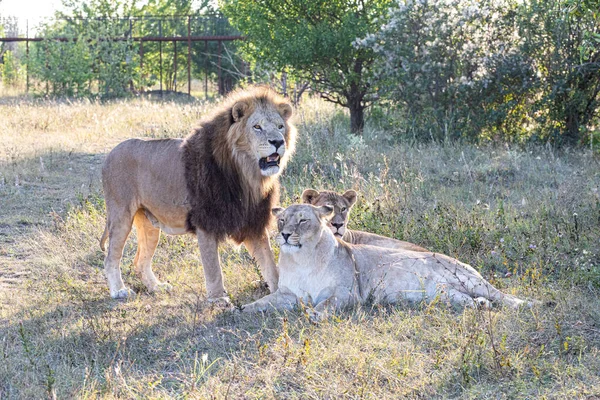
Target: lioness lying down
x=318, y=268
x=342, y=204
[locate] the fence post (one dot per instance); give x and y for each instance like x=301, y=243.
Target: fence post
x=175, y=66
x=160, y=49
x=189, y=56
x=221, y=86
x=141, y=64
x=27, y=51
x=206, y=70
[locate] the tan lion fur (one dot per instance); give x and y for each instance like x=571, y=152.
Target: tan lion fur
x=317, y=268
x=171, y=184
x=342, y=205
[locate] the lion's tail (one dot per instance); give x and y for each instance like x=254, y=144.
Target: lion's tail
x=104, y=237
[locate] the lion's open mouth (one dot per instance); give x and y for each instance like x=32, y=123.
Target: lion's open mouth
x=269, y=161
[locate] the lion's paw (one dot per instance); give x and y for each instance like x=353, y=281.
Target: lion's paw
x=124, y=293
x=221, y=302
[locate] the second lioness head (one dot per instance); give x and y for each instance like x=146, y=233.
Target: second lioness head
x=341, y=203
x=299, y=225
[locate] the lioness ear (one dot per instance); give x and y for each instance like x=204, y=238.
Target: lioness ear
x=285, y=110
x=351, y=196
x=325, y=212
x=309, y=196
x=238, y=110
x=277, y=211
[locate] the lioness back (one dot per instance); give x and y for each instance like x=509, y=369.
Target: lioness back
x=342, y=205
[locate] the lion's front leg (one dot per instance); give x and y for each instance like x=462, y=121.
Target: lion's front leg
x=209, y=252
x=261, y=250
x=280, y=300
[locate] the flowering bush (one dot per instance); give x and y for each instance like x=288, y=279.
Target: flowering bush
x=513, y=69
x=448, y=65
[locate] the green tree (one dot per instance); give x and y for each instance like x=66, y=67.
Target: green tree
x=562, y=37
x=315, y=39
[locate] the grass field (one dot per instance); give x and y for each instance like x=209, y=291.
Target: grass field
x=528, y=219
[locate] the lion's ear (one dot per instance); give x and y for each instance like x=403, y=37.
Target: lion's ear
x=309, y=196
x=285, y=110
x=351, y=196
x=277, y=211
x=239, y=110
x=325, y=212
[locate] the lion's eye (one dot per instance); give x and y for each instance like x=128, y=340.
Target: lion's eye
x=343, y=209
x=302, y=221
x=257, y=127
x=280, y=127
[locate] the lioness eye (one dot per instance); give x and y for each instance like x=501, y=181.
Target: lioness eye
x=257, y=127
x=280, y=127
x=302, y=221
x=343, y=209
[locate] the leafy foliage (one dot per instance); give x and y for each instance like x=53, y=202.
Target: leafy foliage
x=11, y=71
x=314, y=39
x=563, y=40
x=490, y=69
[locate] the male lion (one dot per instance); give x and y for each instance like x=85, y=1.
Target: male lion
x=318, y=268
x=221, y=181
x=342, y=204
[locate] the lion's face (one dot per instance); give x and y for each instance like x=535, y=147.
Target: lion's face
x=265, y=128
x=298, y=224
x=341, y=203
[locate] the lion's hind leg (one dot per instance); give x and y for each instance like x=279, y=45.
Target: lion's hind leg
x=482, y=299
x=147, y=237
x=119, y=226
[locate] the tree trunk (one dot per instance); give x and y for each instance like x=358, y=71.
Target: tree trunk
x=357, y=117
x=355, y=98
x=572, y=135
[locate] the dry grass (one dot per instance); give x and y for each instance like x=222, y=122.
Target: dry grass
x=508, y=212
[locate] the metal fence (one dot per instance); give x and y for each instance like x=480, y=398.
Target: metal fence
x=138, y=29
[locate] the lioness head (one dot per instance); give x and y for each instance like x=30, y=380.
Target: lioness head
x=341, y=203
x=260, y=127
x=300, y=224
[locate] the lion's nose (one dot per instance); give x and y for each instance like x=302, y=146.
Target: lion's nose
x=276, y=143
x=285, y=236
x=337, y=226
